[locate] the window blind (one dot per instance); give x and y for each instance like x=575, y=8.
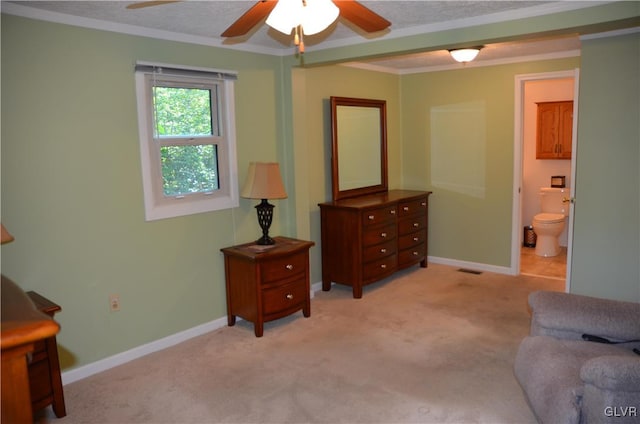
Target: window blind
x=185, y=71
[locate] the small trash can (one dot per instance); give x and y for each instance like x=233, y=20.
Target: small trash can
x=530, y=237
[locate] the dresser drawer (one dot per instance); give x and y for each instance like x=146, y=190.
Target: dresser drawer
x=379, y=251
x=39, y=372
x=284, y=297
x=411, y=256
x=378, y=269
x=411, y=225
x=379, y=216
x=282, y=268
x=406, y=241
x=377, y=235
x=412, y=207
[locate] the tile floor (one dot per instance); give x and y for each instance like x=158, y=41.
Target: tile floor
x=553, y=267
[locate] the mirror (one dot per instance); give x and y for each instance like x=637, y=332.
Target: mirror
x=359, y=146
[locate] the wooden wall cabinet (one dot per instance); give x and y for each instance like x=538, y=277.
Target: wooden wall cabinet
x=368, y=238
x=554, y=130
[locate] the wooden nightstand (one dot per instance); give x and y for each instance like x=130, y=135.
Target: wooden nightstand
x=265, y=283
x=44, y=368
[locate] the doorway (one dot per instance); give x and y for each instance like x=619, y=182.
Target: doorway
x=531, y=174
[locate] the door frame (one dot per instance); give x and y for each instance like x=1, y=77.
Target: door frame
x=518, y=157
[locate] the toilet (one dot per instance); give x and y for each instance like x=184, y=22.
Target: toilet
x=550, y=222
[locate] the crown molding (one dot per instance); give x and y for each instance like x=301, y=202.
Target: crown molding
x=62, y=18
x=98, y=24
x=459, y=66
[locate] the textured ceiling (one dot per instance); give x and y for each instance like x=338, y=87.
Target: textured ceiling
x=204, y=21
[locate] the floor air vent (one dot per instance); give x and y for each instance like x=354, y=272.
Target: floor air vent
x=470, y=271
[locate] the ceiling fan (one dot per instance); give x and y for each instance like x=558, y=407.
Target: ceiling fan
x=350, y=10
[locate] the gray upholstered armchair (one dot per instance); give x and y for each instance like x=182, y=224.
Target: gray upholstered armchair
x=569, y=380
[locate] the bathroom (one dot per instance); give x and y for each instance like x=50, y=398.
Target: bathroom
x=537, y=173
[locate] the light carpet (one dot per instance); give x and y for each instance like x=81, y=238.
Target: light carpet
x=429, y=345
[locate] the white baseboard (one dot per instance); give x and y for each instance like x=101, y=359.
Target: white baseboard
x=137, y=352
x=88, y=370
x=471, y=265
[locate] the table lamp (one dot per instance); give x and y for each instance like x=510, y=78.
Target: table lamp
x=264, y=182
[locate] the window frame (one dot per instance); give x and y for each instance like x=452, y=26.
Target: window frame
x=157, y=205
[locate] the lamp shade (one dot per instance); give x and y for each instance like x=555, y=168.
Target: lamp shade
x=263, y=182
x=6, y=237
x=465, y=55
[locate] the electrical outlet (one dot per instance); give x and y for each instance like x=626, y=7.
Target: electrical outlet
x=114, y=302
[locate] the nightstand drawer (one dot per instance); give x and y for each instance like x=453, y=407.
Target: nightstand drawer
x=282, y=268
x=283, y=298
x=38, y=372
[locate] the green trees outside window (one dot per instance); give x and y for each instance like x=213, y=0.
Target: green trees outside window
x=185, y=120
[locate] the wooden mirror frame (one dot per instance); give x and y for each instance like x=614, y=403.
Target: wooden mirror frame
x=381, y=105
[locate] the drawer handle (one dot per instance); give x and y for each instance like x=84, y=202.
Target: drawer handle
x=383, y=266
x=383, y=250
x=424, y=203
x=415, y=253
x=383, y=235
x=416, y=239
x=392, y=211
x=416, y=224
x=406, y=208
x=371, y=217
x=289, y=267
x=289, y=296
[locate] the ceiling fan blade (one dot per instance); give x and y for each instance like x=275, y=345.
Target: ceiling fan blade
x=361, y=16
x=143, y=4
x=250, y=19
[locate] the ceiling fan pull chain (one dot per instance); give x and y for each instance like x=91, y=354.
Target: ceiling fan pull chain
x=298, y=39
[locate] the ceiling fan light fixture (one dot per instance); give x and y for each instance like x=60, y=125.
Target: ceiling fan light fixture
x=465, y=55
x=285, y=16
x=317, y=15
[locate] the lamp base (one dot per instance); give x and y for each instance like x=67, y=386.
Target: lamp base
x=265, y=215
x=265, y=241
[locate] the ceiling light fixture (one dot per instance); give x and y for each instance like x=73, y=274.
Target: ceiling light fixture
x=306, y=17
x=465, y=55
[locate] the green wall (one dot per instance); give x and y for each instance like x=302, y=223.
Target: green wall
x=72, y=192
x=606, y=243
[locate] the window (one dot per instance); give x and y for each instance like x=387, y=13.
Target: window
x=187, y=140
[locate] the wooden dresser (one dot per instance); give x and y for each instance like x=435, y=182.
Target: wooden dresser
x=23, y=326
x=265, y=283
x=368, y=238
x=45, y=381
